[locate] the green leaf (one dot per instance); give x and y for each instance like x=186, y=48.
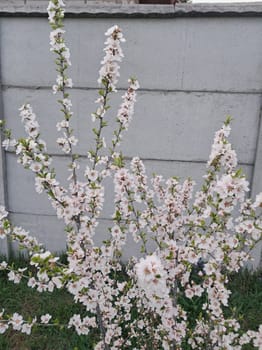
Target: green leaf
x=95, y=131
x=228, y=120
x=2, y=123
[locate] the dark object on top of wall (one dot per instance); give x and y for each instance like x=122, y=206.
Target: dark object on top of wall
x=155, y=2
x=161, y=2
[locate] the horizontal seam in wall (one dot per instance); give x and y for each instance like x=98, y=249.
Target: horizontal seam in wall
x=48, y=215
x=187, y=161
x=35, y=87
x=194, y=161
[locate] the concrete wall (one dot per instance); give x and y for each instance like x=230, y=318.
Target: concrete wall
x=196, y=64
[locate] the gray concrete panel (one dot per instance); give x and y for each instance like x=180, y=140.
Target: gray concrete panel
x=57, y=242
x=257, y=188
x=26, y=58
x=257, y=174
x=24, y=199
x=130, y=249
x=196, y=64
x=3, y=197
x=182, y=126
x=172, y=124
x=4, y=244
x=197, y=54
x=218, y=53
x=47, y=229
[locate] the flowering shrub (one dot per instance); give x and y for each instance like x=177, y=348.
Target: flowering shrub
x=198, y=241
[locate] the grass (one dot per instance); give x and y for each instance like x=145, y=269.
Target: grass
x=246, y=300
x=28, y=302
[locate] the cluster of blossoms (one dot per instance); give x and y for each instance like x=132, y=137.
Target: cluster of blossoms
x=56, y=14
x=151, y=276
x=109, y=72
x=57, y=45
x=190, y=242
x=17, y=323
